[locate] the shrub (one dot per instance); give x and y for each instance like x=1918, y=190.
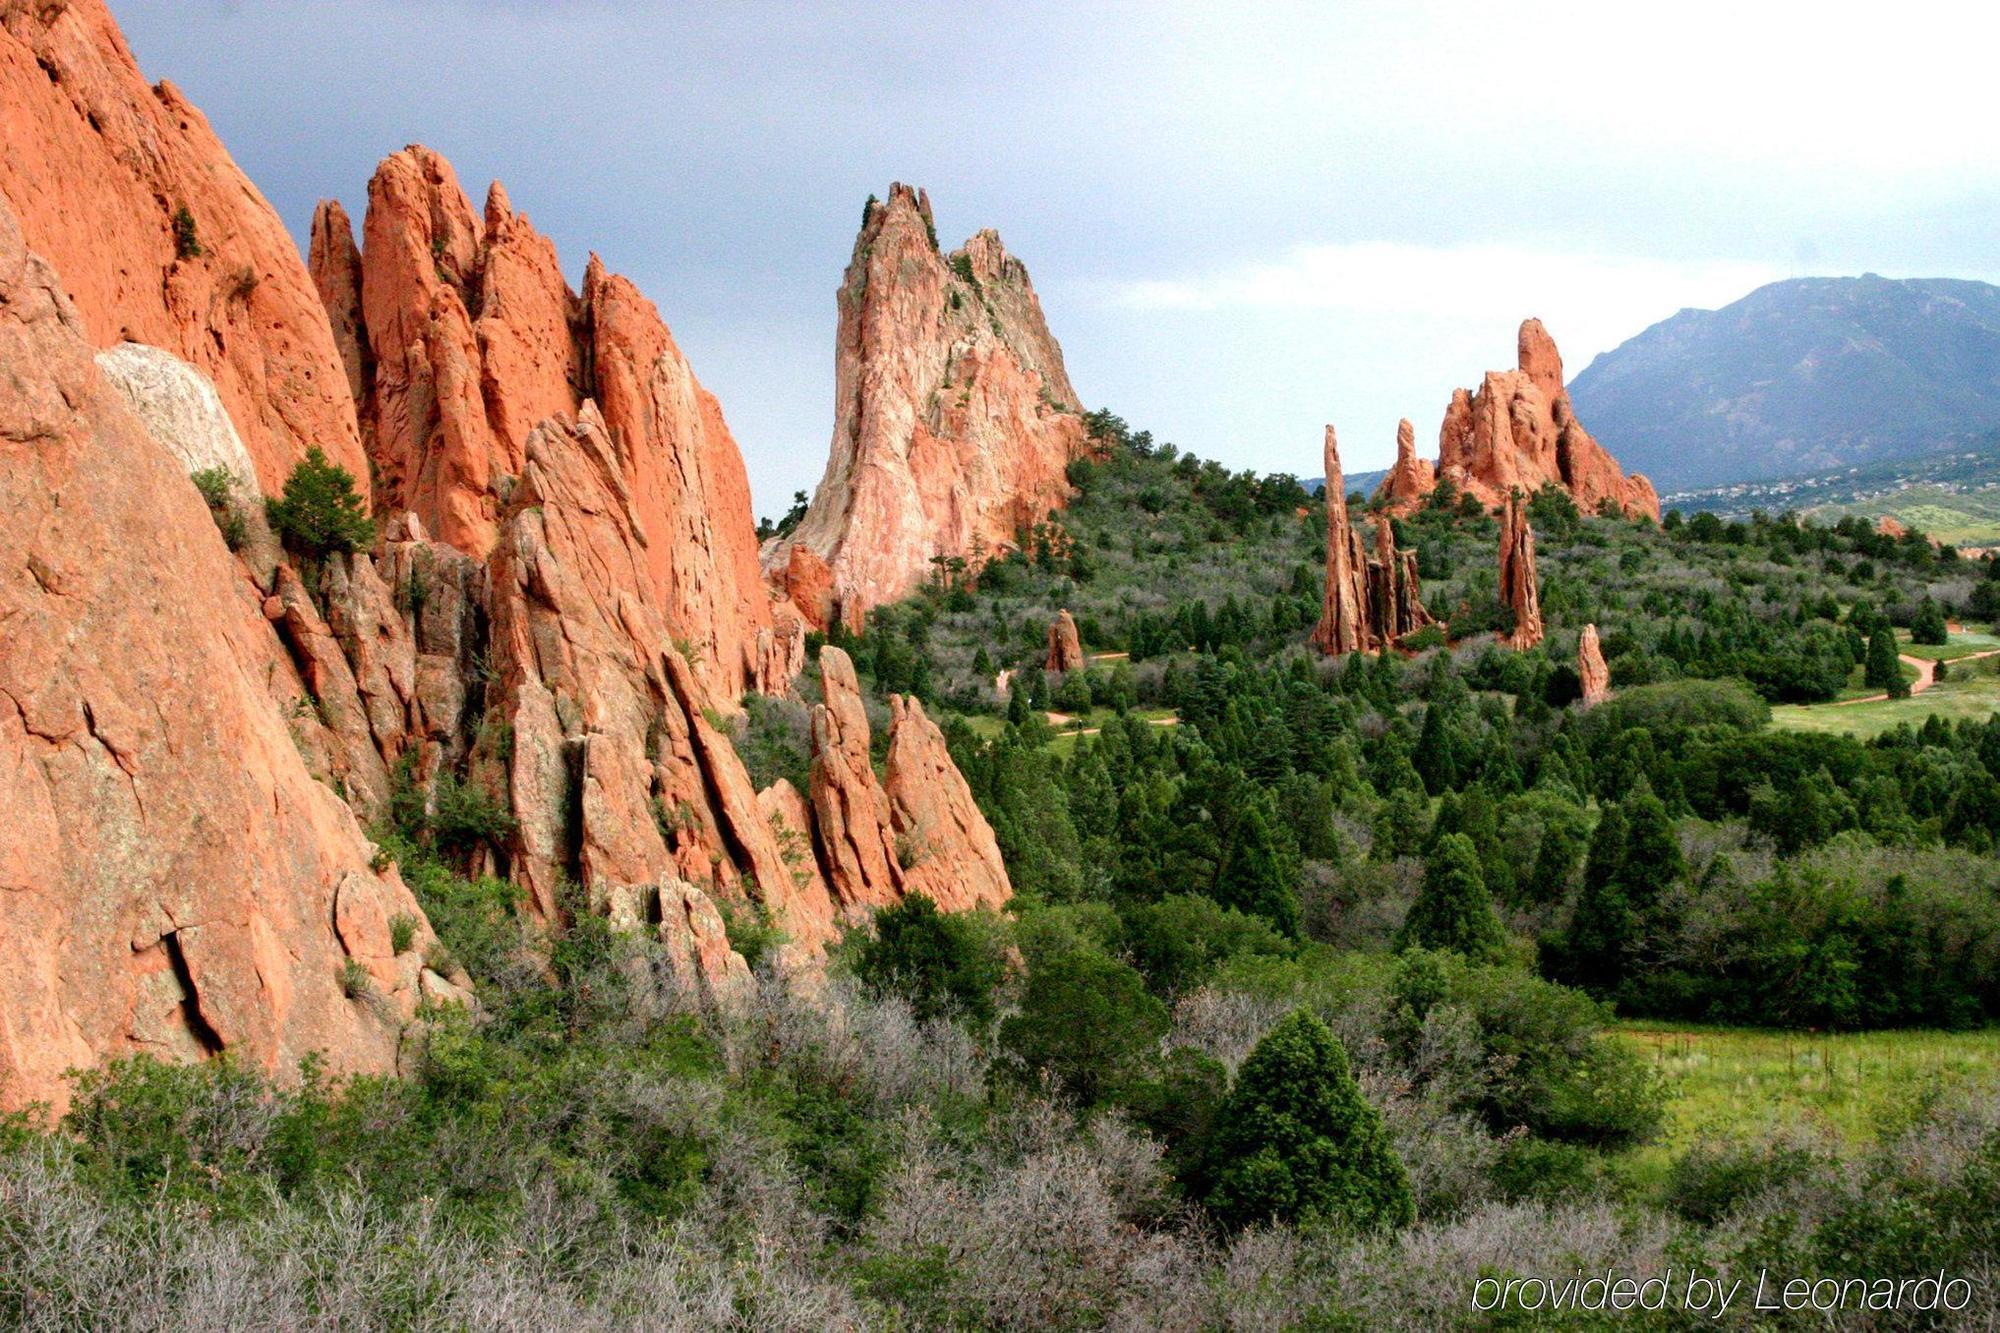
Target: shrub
x=217, y=487
x=1297, y=1142
x=1086, y=1028
x=402, y=932
x=319, y=512
x=941, y=963
x=186, y=244
x=355, y=982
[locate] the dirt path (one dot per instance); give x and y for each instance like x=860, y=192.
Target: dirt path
x=1061, y=720
x=1926, y=677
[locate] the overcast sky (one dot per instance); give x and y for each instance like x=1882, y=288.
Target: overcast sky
x=1243, y=220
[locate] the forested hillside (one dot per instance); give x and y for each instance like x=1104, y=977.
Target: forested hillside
x=1300, y=1016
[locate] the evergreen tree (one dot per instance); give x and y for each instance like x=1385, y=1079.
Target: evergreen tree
x=319, y=512
x=1452, y=910
x=1928, y=626
x=1296, y=1142
x=1884, y=671
x=1254, y=875
x=941, y=962
x=1086, y=1027
x=1436, y=755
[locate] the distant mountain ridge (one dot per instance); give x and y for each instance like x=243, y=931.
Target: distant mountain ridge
x=1800, y=376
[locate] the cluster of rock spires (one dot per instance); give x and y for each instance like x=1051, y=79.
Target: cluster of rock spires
x=1370, y=603
x=562, y=609
x=954, y=420
x=1516, y=431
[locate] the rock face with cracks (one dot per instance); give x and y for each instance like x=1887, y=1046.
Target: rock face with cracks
x=954, y=420
x=172, y=878
x=462, y=337
x=559, y=610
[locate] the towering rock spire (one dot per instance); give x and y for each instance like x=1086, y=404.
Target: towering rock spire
x=1395, y=598
x=1518, y=430
x=1590, y=668
x=1343, y=621
x=954, y=420
x=1065, y=646
x=1412, y=478
x=1519, y=587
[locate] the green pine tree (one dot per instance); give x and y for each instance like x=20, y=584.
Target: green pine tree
x=1452, y=910
x=1884, y=671
x=319, y=512
x=1295, y=1140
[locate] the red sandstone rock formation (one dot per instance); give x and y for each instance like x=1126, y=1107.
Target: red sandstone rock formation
x=1065, y=647
x=955, y=422
x=1369, y=604
x=947, y=848
x=466, y=338
x=192, y=737
x=805, y=580
x=1590, y=668
x=849, y=805
x=1395, y=597
x=172, y=879
x=98, y=167
x=1518, y=430
x=1343, y=620
x=1519, y=587
x=1412, y=478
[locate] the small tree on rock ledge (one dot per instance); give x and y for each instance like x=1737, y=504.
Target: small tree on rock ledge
x=319, y=512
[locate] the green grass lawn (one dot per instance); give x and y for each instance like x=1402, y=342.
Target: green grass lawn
x=1744, y=1084
x=986, y=726
x=1963, y=644
x=1857, y=688
x=1968, y=695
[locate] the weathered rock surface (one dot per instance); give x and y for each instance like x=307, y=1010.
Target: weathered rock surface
x=180, y=409
x=947, y=848
x=1517, y=430
x=466, y=338
x=849, y=805
x=1519, y=587
x=172, y=879
x=1065, y=647
x=1369, y=603
x=98, y=166
x=955, y=422
x=1343, y=619
x=1590, y=667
